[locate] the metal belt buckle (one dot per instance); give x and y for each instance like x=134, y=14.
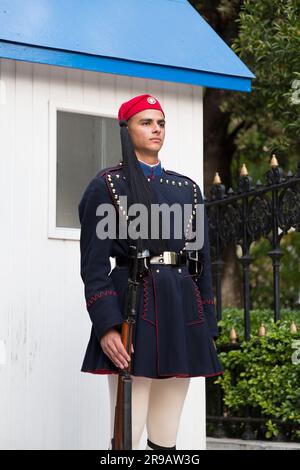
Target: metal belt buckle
x=170, y=257
x=167, y=257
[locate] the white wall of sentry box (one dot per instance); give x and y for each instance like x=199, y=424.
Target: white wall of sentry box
x=48, y=113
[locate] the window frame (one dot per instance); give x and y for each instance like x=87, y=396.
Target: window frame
x=54, y=232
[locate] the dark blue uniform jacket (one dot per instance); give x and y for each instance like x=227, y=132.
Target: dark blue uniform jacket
x=175, y=321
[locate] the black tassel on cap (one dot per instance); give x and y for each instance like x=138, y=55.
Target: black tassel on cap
x=139, y=188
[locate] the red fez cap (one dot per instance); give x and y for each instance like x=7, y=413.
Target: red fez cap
x=137, y=104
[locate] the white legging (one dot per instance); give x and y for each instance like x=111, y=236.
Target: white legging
x=155, y=402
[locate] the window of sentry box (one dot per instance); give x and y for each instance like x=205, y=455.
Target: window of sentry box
x=85, y=145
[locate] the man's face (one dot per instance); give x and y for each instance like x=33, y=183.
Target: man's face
x=146, y=126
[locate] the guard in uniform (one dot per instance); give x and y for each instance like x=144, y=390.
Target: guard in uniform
x=175, y=324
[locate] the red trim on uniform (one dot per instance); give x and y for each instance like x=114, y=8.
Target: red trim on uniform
x=199, y=307
x=109, y=372
x=208, y=301
x=146, y=300
x=97, y=296
x=152, y=173
x=156, y=329
x=100, y=371
x=145, y=305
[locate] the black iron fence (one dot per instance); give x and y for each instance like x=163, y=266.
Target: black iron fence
x=266, y=210
x=248, y=214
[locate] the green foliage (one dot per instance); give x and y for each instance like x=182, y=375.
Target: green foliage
x=264, y=373
x=233, y=318
x=261, y=273
x=268, y=42
x=265, y=34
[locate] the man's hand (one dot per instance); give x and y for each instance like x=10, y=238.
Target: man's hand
x=113, y=347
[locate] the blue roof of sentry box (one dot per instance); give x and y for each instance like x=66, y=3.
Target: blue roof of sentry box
x=157, y=39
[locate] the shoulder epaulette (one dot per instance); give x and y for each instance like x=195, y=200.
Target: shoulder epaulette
x=105, y=175
x=109, y=169
x=171, y=172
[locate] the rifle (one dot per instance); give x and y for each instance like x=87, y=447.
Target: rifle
x=122, y=438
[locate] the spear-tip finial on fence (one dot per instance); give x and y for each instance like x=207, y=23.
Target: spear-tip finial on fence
x=293, y=328
x=217, y=179
x=244, y=171
x=262, y=330
x=233, y=336
x=274, y=161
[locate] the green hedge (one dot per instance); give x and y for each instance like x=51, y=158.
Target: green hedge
x=264, y=373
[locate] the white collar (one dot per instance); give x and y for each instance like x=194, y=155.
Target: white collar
x=155, y=164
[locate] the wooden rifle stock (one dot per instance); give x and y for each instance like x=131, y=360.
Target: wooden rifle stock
x=122, y=438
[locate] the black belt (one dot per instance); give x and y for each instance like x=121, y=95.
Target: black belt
x=166, y=258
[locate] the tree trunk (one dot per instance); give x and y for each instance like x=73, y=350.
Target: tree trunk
x=219, y=146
